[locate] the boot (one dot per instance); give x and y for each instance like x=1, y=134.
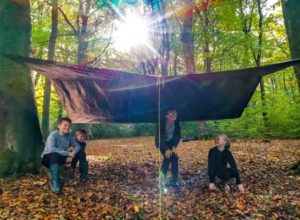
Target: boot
x=175, y=183
x=54, y=178
x=84, y=170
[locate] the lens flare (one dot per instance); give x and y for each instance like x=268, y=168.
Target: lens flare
x=131, y=32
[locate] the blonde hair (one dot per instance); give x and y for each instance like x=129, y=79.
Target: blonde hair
x=226, y=138
x=81, y=131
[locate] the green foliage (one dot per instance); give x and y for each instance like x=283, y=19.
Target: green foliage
x=122, y=130
x=231, y=46
x=108, y=3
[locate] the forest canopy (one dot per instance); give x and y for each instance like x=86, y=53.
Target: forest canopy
x=162, y=38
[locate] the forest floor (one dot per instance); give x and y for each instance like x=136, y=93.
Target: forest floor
x=124, y=185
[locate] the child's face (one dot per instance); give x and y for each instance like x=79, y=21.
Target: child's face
x=64, y=127
x=220, y=141
x=80, y=137
x=171, y=116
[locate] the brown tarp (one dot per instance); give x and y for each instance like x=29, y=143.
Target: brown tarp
x=97, y=95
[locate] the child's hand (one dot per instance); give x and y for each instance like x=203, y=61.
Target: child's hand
x=71, y=154
x=174, y=150
x=168, y=154
x=69, y=159
x=212, y=186
x=70, y=149
x=241, y=188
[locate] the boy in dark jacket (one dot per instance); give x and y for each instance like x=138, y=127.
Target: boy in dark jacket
x=167, y=139
x=81, y=156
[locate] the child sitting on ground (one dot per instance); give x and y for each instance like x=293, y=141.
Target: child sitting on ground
x=56, y=150
x=168, y=141
x=218, y=159
x=81, y=156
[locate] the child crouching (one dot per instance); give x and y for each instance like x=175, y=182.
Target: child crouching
x=81, y=156
x=56, y=152
x=219, y=158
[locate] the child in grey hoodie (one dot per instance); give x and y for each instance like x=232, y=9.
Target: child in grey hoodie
x=56, y=150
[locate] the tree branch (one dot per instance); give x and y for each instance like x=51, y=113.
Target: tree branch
x=66, y=19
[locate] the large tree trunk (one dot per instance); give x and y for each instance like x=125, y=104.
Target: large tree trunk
x=47, y=87
x=291, y=12
x=20, y=137
x=187, y=39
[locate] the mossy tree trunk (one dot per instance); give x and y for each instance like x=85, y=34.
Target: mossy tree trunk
x=20, y=136
x=291, y=12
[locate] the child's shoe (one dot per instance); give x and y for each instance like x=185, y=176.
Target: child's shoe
x=226, y=188
x=175, y=184
x=241, y=188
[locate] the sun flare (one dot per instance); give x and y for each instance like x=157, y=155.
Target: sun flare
x=131, y=32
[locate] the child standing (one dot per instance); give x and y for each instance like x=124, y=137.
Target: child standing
x=81, y=156
x=56, y=150
x=168, y=141
x=218, y=159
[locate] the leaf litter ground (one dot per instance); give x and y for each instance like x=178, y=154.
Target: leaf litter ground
x=125, y=185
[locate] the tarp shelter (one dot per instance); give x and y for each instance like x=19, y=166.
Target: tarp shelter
x=97, y=95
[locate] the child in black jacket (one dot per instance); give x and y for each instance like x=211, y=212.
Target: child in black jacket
x=81, y=156
x=168, y=141
x=219, y=158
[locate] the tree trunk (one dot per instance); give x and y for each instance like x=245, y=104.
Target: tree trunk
x=291, y=12
x=82, y=50
x=60, y=110
x=38, y=75
x=165, y=52
x=20, y=137
x=246, y=28
x=202, y=125
x=258, y=63
x=187, y=39
x=82, y=37
x=47, y=87
x=207, y=60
